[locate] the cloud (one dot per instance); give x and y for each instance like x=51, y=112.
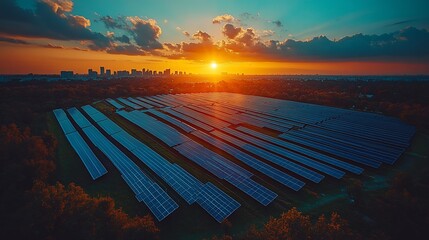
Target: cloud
x=187, y=34
x=277, y=23
x=60, y=6
x=267, y=33
x=230, y=31
x=49, y=45
x=79, y=21
x=123, y=39
x=146, y=33
x=401, y=22
x=113, y=23
x=223, y=18
x=12, y=40
x=407, y=44
x=239, y=34
x=130, y=49
x=249, y=16
x=202, y=36
x=50, y=19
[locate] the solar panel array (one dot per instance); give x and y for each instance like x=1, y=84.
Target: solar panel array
x=87, y=156
x=185, y=184
x=145, y=189
x=207, y=159
x=289, y=142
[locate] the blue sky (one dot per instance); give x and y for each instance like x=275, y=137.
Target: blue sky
x=301, y=19
x=367, y=32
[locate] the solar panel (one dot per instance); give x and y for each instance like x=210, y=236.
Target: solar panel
x=298, y=169
x=94, y=113
x=331, y=150
x=79, y=118
x=60, y=115
x=151, y=98
x=158, y=201
x=155, y=198
x=109, y=126
x=344, y=165
x=181, y=181
x=288, y=154
x=152, y=103
x=64, y=121
x=115, y=103
x=213, y=161
x=129, y=104
x=217, y=203
x=355, y=141
x=185, y=127
x=160, y=130
x=140, y=103
x=164, y=100
x=224, y=116
x=209, y=120
x=386, y=158
x=91, y=162
x=258, y=192
x=188, y=119
x=262, y=167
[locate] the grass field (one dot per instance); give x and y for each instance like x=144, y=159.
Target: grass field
x=192, y=222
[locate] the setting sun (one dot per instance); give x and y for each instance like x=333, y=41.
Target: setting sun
x=213, y=65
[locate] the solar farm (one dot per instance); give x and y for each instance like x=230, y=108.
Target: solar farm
x=246, y=144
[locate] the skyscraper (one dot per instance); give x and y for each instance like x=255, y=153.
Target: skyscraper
x=102, y=71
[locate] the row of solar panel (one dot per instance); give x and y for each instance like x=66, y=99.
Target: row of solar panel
x=87, y=156
x=163, y=132
x=217, y=165
x=368, y=133
x=341, y=164
x=147, y=123
x=186, y=185
x=364, y=152
x=252, y=162
x=146, y=190
x=282, y=126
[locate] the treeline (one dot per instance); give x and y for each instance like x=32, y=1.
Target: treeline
x=33, y=206
x=403, y=99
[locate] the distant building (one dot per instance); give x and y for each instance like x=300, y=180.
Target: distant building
x=124, y=73
x=92, y=74
x=167, y=72
x=66, y=74
x=102, y=71
x=180, y=73
x=108, y=73
x=175, y=72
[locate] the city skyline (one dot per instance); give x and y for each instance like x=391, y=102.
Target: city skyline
x=280, y=37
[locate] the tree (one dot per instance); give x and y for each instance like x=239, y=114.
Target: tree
x=60, y=212
x=294, y=225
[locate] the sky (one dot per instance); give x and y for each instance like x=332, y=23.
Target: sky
x=241, y=36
